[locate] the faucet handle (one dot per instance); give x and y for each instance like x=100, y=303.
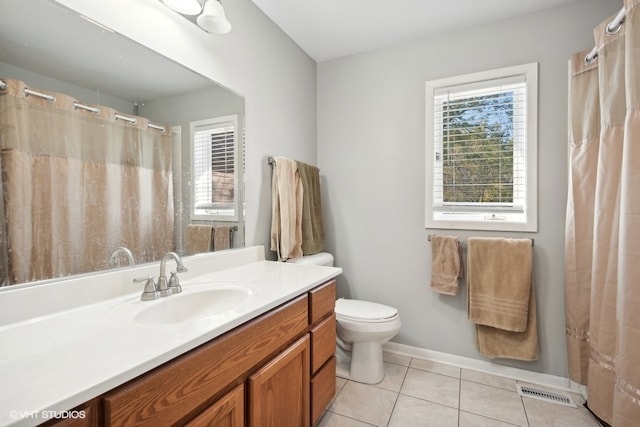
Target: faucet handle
x=174, y=283
x=150, y=292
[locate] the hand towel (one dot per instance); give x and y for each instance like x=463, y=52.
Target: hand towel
x=499, y=281
x=446, y=264
x=198, y=239
x=312, y=225
x=286, y=209
x=222, y=237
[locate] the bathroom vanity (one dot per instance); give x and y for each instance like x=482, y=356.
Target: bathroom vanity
x=266, y=357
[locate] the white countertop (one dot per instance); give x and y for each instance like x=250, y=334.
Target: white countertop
x=57, y=361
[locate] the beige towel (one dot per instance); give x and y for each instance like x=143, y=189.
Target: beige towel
x=498, y=343
x=221, y=237
x=286, y=209
x=198, y=239
x=499, y=282
x=501, y=297
x=312, y=226
x=446, y=264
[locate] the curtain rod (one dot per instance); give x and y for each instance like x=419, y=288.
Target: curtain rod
x=431, y=235
x=613, y=27
x=76, y=104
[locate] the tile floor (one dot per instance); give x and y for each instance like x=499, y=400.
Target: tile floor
x=418, y=392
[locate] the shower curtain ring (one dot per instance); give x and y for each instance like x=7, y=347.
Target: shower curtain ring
x=590, y=59
x=614, y=27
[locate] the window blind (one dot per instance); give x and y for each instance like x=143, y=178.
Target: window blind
x=480, y=145
x=214, y=166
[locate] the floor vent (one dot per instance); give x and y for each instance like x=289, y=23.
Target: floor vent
x=547, y=396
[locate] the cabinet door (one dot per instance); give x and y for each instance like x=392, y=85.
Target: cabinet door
x=279, y=391
x=226, y=412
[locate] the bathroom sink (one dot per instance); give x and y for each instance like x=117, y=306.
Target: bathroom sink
x=192, y=306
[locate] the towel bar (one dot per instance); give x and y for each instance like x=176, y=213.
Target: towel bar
x=430, y=235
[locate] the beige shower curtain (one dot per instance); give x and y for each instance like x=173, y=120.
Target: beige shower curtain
x=76, y=185
x=602, y=253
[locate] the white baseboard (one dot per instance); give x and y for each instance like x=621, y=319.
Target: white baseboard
x=486, y=367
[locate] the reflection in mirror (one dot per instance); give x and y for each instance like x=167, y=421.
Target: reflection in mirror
x=111, y=154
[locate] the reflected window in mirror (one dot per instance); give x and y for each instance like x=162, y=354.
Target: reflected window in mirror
x=214, y=165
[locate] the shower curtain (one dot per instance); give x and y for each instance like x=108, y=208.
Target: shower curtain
x=76, y=185
x=602, y=245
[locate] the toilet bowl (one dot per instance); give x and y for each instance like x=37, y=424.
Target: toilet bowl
x=362, y=328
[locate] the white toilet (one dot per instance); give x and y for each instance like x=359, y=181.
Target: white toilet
x=362, y=328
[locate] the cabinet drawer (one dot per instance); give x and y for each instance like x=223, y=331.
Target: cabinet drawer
x=177, y=388
x=322, y=301
x=323, y=388
x=323, y=342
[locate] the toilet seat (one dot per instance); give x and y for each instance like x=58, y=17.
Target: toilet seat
x=364, y=311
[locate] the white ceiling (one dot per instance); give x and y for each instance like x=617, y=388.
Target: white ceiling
x=328, y=29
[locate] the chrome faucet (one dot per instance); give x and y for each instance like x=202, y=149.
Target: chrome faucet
x=115, y=260
x=164, y=287
x=172, y=286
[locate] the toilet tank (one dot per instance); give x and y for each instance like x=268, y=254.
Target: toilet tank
x=321, y=258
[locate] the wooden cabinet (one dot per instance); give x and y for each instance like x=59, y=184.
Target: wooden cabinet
x=322, y=320
x=85, y=415
x=226, y=412
x=276, y=370
x=323, y=388
x=279, y=391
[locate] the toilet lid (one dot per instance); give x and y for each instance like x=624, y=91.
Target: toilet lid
x=363, y=310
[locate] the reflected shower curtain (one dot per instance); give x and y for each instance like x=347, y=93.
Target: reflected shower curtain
x=76, y=185
x=602, y=245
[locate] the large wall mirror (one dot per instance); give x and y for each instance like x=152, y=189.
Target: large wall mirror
x=111, y=154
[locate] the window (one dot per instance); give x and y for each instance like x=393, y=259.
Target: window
x=215, y=170
x=481, y=145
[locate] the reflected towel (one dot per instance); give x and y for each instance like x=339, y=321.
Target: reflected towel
x=286, y=209
x=222, y=237
x=499, y=281
x=446, y=264
x=312, y=226
x=198, y=239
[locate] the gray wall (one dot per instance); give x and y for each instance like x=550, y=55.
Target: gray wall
x=371, y=153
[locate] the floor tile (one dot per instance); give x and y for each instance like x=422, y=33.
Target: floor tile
x=398, y=359
x=364, y=402
x=418, y=392
x=492, y=402
x=410, y=411
x=435, y=367
x=432, y=387
x=472, y=420
x=393, y=377
x=488, y=379
x=340, y=382
x=331, y=419
x=545, y=414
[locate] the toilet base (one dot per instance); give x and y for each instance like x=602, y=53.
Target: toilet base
x=363, y=364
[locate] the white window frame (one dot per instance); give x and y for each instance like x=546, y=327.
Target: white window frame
x=213, y=214
x=522, y=215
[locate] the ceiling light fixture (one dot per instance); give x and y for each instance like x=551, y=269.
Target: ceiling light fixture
x=213, y=19
x=185, y=7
